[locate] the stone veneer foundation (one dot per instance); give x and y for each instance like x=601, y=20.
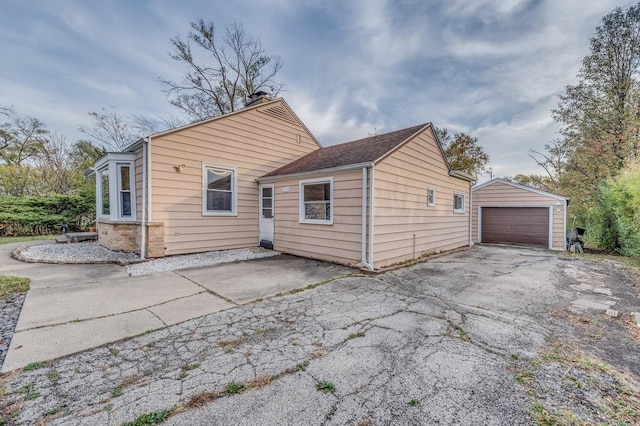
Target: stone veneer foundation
x=125, y=236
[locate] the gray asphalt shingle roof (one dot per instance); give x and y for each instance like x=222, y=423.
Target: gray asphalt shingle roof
x=356, y=152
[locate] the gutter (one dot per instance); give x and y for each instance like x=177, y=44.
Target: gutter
x=346, y=168
x=365, y=261
x=462, y=175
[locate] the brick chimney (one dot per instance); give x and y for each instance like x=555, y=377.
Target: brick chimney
x=258, y=98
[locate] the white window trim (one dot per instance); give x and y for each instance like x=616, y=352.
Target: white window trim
x=301, y=212
x=464, y=202
x=234, y=190
x=112, y=162
x=432, y=204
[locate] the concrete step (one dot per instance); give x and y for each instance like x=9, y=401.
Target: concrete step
x=64, y=239
x=76, y=237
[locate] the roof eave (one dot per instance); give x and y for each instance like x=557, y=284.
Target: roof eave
x=462, y=175
x=519, y=185
x=339, y=169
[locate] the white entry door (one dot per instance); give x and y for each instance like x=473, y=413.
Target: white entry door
x=266, y=212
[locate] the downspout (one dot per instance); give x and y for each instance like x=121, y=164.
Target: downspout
x=143, y=222
x=364, y=220
x=370, y=260
x=470, y=215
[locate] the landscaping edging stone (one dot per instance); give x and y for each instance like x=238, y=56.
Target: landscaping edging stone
x=10, y=308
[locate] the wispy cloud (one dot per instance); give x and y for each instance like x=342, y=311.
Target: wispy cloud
x=491, y=68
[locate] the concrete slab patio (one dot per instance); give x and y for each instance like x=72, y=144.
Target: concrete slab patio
x=71, y=308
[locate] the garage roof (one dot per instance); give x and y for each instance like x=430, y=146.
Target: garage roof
x=517, y=185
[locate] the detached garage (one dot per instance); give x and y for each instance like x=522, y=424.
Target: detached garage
x=509, y=213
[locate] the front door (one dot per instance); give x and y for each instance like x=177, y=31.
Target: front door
x=266, y=214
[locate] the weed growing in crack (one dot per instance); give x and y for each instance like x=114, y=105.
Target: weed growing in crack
x=117, y=391
x=33, y=366
x=414, y=402
x=201, y=399
x=260, y=381
x=233, y=388
x=186, y=368
x=30, y=390
x=326, y=387
x=302, y=366
x=114, y=351
x=151, y=418
x=53, y=376
x=515, y=356
x=355, y=335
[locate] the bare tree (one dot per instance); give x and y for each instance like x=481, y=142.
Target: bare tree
x=150, y=125
x=21, y=139
x=222, y=81
x=110, y=130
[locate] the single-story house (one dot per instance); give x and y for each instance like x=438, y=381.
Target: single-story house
x=257, y=176
x=506, y=212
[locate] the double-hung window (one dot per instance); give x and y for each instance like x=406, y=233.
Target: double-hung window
x=316, y=201
x=115, y=186
x=220, y=192
x=458, y=202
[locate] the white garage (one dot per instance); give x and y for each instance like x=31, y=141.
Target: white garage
x=509, y=213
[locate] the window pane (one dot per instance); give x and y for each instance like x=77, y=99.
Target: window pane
x=267, y=192
x=124, y=178
x=267, y=203
x=219, y=179
x=317, y=192
x=219, y=200
x=320, y=211
x=458, y=202
x=104, y=190
x=267, y=213
x=126, y=203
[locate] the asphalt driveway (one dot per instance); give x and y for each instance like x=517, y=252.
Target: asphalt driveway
x=467, y=339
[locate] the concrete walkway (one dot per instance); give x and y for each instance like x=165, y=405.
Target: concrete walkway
x=71, y=308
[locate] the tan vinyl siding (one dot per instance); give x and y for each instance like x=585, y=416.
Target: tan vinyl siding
x=402, y=217
x=253, y=142
x=498, y=194
x=340, y=242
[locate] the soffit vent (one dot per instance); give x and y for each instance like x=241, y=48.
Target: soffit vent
x=280, y=112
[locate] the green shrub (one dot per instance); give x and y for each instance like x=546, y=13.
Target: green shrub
x=46, y=215
x=614, y=223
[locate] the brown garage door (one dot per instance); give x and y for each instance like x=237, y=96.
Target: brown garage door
x=527, y=226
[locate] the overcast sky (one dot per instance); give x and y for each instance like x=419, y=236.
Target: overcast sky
x=491, y=68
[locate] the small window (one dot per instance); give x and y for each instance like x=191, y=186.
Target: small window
x=458, y=203
x=316, y=201
x=220, y=191
x=105, y=209
x=431, y=197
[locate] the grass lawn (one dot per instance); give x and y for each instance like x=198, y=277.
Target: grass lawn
x=7, y=240
x=11, y=285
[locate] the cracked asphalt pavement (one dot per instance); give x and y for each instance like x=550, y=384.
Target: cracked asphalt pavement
x=429, y=344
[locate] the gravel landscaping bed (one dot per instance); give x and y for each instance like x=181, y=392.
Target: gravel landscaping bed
x=199, y=259
x=86, y=252
x=92, y=252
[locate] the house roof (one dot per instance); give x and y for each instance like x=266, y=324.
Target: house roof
x=517, y=185
x=367, y=150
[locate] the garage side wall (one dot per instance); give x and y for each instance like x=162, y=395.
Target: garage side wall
x=499, y=194
x=405, y=226
x=339, y=242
